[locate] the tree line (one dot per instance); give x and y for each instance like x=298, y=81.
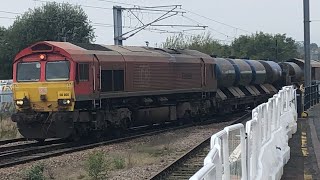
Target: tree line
x=66, y=22
x=260, y=45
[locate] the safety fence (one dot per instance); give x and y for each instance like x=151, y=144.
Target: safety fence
x=311, y=96
x=257, y=151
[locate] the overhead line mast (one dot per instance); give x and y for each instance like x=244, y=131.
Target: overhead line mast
x=119, y=36
x=307, y=68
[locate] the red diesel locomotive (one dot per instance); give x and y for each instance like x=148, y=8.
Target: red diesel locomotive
x=62, y=89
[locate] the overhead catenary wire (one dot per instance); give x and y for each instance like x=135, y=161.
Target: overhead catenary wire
x=228, y=36
x=116, y=2
x=87, y=6
x=225, y=24
x=2, y=17
x=9, y=12
x=136, y=5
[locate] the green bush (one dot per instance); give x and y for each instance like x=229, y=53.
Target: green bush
x=96, y=165
x=119, y=162
x=35, y=172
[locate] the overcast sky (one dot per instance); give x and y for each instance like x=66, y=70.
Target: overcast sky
x=272, y=16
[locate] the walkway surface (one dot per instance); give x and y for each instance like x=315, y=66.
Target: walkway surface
x=304, y=162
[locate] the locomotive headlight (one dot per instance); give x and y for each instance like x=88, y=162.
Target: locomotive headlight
x=64, y=102
x=19, y=102
x=68, y=101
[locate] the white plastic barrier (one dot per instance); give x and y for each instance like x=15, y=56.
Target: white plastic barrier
x=227, y=156
x=260, y=151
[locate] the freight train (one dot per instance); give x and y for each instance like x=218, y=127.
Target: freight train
x=64, y=90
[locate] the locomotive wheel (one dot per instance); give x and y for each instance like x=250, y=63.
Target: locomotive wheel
x=125, y=124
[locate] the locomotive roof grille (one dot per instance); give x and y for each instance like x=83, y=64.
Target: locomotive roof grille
x=41, y=47
x=95, y=47
x=168, y=50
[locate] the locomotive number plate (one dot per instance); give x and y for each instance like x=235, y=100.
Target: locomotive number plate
x=64, y=95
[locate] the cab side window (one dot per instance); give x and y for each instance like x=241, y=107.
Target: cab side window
x=83, y=72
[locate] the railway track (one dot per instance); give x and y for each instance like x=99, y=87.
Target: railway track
x=12, y=141
x=20, y=156
x=190, y=162
x=27, y=145
x=26, y=153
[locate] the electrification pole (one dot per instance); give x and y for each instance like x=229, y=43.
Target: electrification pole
x=117, y=21
x=307, y=68
x=167, y=12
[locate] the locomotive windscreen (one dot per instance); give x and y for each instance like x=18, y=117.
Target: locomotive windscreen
x=28, y=71
x=57, y=71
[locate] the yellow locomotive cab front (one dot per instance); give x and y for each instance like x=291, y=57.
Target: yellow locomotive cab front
x=44, y=96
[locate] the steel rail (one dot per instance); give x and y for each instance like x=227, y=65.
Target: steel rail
x=31, y=144
x=12, y=141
